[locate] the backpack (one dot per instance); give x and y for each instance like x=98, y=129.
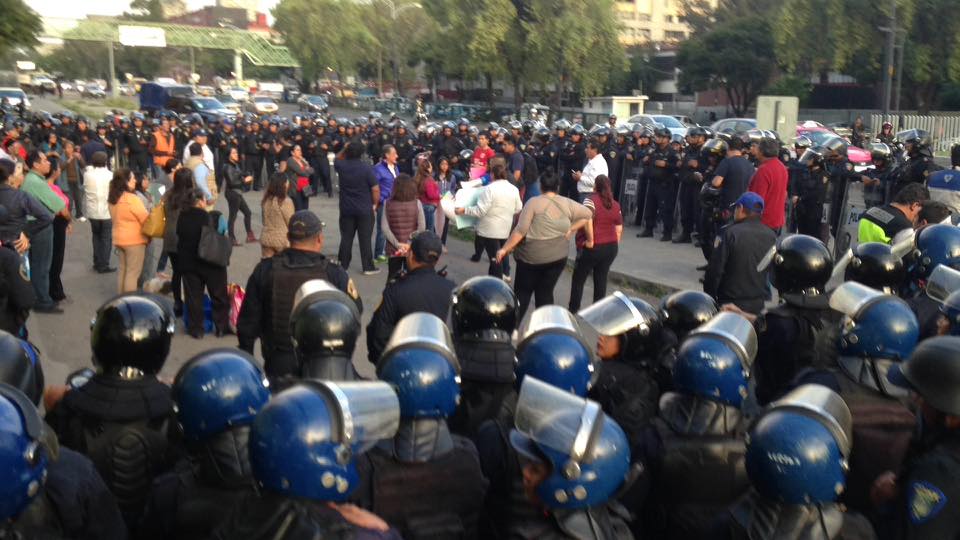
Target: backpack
x=530, y=172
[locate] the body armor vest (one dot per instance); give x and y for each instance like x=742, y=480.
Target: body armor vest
x=755, y=518
x=287, y=280
x=606, y=522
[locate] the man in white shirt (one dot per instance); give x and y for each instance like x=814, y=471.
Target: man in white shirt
x=201, y=137
x=496, y=207
x=596, y=166
x=96, y=188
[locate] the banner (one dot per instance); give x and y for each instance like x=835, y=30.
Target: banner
x=142, y=36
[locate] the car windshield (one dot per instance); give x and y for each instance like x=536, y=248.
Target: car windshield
x=668, y=121
x=11, y=93
x=207, y=104
x=315, y=99
x=263, y=99
x=820, y=137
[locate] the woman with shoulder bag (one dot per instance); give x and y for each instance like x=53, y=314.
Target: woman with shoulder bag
x=597, y=243
x=176, y=200
x=128, y=215
x=300, y=170
x=198, y=274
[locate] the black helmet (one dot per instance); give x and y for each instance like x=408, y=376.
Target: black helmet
x=449, y=125
x=916, y=141
x=466, y=155
x=683, y=311
x=752, y=136
x=697, y=131
x=836, y=145
x=602, y=131
x=636, y=128
x=483, y=303
x=714, y=147
x=463, y=122
x=20, y=366
x=543, y=134
x=132, y=331
x=623, y=131
x=577, y=129
x=662, y=132
x=802, y=142
x=801, y=265
x=813, y=156
x=634, y=319
x=933, y=371
x=875, y=265
x=515, y=125
x=324, y=321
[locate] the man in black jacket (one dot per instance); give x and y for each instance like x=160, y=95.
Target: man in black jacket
x=271, y=288
x=732, y=275
x=421, y=289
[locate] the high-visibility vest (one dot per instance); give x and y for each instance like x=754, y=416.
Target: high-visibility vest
x=163, y=148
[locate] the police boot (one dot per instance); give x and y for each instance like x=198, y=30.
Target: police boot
x=646, y=233
x=684, y=238
x=666, y=237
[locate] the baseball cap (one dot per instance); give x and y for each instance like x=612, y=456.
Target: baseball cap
x=200, y=133
x=304, y=224
x=750, y=201
x=426, y=246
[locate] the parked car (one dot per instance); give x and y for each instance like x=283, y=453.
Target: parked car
x=310, y=103
x=262, y=105
x=157, y=96
x=737, y=124
x=46, y=83
x=239, y=94
x=209, y=109
x=819, y=134
x=671, y=123
x=14, y=96
x=685, y=120
x=230, y=103
x=93, y=90
x=644, y=119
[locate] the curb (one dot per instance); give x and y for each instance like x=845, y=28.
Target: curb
x=643, y=286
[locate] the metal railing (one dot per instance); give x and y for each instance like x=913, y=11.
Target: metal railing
x=944, y=130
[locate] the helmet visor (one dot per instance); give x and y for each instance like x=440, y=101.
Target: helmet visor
x=550, y=318
x=823, y=405
x=368, y=412
x=735, y=330
x=841, y=267
x=557, y=419
x=613, y=315
x=903, y=243
x=422, y=330
x=851, y=297
x=942, y=282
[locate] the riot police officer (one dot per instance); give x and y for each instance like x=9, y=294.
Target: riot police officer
x=920, y=162
x=628, y=345
x=217, y=394
x=575, y=458
x=934, y=245
x=691, y=179
x=325, y=326
x=661, y=186
x=842, y=173
x=74, y=498
x=712, y=214
x=878, y=189
x=796, y=459
x=698, y=469
x=681, y=313
x=446, y=499
x=137, y=145
x=926, y=489
x=878, y=266
x=787, y=334
x=483, y=317
x=573, y=157
x=252, y=156
x=303, y=449
x=120, y=417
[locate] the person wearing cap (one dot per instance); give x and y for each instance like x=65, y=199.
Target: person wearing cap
x=770, y=182
x=926, y=491
x=271, y=289
x=200, y=137
x=420, y=289
x=732, y=276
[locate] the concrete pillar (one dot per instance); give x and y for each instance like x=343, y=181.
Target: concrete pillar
x=238, y=65
x=113, y=70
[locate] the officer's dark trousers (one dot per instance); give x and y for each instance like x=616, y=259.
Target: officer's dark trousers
x=176, y=283
x=598, y=261
x=140, y=163
x=643, y=194
x=708, y=232
x=236, y=203
x=687, y=199
x=253, y=165
x=808, y=218
x=215, y=282
x=41, y=255
x=537, y=280
x=660, y=201
x=360, y=225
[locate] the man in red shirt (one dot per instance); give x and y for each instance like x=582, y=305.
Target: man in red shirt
x=482, y=153
x=770, y=182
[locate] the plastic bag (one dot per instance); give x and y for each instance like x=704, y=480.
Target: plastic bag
x=236, y=294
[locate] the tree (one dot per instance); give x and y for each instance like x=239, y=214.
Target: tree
x=641, y=74
x=19, y=25
x=736, y=57
x=932, y=55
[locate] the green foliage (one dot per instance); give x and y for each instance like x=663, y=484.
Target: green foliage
x=19, y=25
x=641, y=74
x=791, y=85
x=736, y=57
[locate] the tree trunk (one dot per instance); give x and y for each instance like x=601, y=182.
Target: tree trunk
x=489, y=78
x=517, y=95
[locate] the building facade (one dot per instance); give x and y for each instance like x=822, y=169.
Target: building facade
x=652, y=21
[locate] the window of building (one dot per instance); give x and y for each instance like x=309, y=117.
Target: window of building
x=644, y=17
x=674, y=35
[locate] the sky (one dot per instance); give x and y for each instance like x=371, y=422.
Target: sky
x=78, y=10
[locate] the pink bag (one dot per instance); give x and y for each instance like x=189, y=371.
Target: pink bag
x=236, y=294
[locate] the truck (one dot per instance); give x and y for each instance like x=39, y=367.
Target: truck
x=156, y=96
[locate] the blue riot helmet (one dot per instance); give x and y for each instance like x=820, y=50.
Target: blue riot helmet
x=877, y=330
x=552, y=350
x=325, y=326
x=216, y=390
x=304, y=441
x=632, y=318
x=714, y=360
x=798, y=447
x=23, y=458
x=420, y=363
x=20, y=366
x=943, y=286
x=935, y=244
x=587, y=452
x=682, y=311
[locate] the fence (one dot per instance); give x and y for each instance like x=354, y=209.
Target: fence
x=944, y=130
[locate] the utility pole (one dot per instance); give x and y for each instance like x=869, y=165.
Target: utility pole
x=891, y=31
x=896, y=93
x=113, y=70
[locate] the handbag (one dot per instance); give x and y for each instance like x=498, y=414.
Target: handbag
x=304, y=187
x=156, y=223
x=214, y=248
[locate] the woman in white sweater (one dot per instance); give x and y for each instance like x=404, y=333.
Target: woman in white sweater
x=496, y=207
x=96, y=186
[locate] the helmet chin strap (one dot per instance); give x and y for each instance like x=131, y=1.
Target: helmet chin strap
x=419, y=440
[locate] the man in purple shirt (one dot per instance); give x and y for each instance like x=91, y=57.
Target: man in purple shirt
x=386, y=172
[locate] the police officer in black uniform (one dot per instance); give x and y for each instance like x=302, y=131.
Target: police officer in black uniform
x=121, y=416
x=573, y=157
x=841, y=172
x=919, y=163
x=661, y=186
x=420, y=289
x=681, y=313
x=424, y=481
x=74, y=499
x=217, y=395
x=137, y=145
x=698, y=462
x=926, y=491
x=252, y=156
x=272, y=287
x=691, y=179
x=325, y=326
x=405, y=145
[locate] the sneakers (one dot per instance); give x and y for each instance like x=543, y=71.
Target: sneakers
x=507, y=279
x=371, y=272
x=381, y=259
x=82, y=219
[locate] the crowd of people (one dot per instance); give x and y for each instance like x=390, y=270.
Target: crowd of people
x=709, y=414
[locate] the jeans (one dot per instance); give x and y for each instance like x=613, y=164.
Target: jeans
x=538, y=280
x=360, y=225
x=75, y=192
x=491, y=245
x=236, y=203
x=56, y=263
x=598, y=261
x=102, y=235
x=429, y=216
x=41, y=257
x=150, y=262
x=380, y=245
x=532, y=190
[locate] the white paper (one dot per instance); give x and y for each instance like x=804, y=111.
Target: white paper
x=465, y=197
